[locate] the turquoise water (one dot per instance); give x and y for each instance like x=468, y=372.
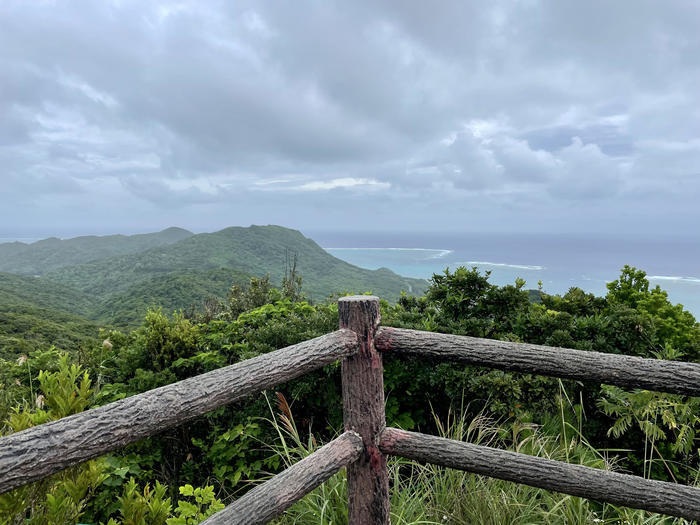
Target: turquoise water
x=559, y=262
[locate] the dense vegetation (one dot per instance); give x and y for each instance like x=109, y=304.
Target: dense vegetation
x=651, y=434
x=40, y=292
x=37, y=313
x=24, y=329
x=177, y=290
x=61, y=292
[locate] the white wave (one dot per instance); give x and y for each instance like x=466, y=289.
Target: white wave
x=674, y=278
x=441, y=253
x=438, y=253
x=504, y=265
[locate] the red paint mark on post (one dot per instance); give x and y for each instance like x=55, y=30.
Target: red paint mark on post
x=376, y=459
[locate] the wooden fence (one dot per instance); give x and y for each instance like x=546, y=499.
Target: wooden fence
x=46, y=449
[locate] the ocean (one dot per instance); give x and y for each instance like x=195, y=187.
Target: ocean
x=558, y=261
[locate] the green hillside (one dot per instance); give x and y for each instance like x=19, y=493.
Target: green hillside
x=36, y=313
x=20, y=290
x=25, y=328
x=10, y=249
x=172, y=291
x=257, y=250
x=50, y=254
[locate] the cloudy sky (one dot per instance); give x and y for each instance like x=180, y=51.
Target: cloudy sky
x=130, y=116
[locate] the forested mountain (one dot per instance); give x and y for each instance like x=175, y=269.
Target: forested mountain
x=185, y=289
x=45, y=293
x=50, y=254
x=62, y=291
x=25, y=328
x=38, y=313
x=256, y=250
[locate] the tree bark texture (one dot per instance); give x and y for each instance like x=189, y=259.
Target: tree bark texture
x=38, y=452
x=577, y=480
x=363, y=411
x=273, y=497
x=651, y=374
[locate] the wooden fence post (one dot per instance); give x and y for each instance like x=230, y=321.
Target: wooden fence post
x=363, y=412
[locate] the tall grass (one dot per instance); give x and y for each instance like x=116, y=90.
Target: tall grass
x=428, y=494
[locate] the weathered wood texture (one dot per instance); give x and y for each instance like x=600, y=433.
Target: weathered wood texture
x=273, y=497
x=363, y=411
x=577, y=480
x=651, y=374
x=38, y=452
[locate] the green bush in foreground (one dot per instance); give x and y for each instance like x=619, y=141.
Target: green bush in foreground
x=64, y=498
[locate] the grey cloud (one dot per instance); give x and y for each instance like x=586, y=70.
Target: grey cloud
x=458, y=110
x=612, y=140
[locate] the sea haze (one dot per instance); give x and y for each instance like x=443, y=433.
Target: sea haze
x=559, y=261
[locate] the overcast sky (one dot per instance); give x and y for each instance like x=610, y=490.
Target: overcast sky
x=131, y=116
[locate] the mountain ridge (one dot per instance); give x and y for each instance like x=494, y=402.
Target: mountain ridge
x=254, y=250
x=113, y=279
x=52, y=253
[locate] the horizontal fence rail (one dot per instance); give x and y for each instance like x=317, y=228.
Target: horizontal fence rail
x=622, y=370
x=577, y=480
x=43, y=450
x=273, y=497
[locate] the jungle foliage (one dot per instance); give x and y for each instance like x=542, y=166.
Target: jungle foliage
x=651, y=434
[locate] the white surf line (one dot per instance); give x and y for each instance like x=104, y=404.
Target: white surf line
x=505, y=265
x=440, y=251
x=677, y=278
